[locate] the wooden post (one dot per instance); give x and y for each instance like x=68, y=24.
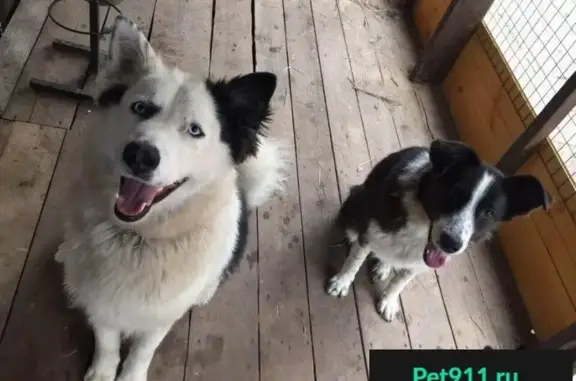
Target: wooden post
x=549, y=118
x=448, y=40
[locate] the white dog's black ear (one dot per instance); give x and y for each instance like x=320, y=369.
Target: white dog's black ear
x=445, y=154
x=524, y=193
x=130, y=56
x=243, y=105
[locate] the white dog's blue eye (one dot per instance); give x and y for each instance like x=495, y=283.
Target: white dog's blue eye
x=144, y=109
x=195, y=130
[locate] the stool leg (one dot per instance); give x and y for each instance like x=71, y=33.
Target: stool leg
x=94, y=36
x=93, y=54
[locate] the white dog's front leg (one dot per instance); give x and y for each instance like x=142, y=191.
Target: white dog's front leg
x=340, y=283
x=389, y=303
x=106, y=354
x=135, y=367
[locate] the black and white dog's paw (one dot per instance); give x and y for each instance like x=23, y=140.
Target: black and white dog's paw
x=388, y=307
x=338, y=286
x=95, y=374
x=379, y=271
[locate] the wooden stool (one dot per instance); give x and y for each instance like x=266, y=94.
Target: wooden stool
x=93, y=52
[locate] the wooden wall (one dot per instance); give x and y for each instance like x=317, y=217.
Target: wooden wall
x=541, y=248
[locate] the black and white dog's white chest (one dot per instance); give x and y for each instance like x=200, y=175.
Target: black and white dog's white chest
x=401, y=248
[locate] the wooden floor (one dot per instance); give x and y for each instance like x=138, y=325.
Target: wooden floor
x=343, y=100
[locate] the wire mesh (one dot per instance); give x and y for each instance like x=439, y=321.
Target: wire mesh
x=537, y=38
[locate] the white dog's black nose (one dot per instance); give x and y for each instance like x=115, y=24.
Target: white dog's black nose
x=450, y=244
x=141, y=157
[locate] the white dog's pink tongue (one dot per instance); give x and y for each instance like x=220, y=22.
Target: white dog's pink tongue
x=433, y=256
x=133, y=196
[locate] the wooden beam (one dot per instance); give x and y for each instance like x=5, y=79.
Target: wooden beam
x=565, y=339
x=453, y=32
x=549, y=118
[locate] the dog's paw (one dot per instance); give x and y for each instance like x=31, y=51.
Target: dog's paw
x=94, y=374
x=132, y=377
x=338, y=286
x=379, y=272
x=388, y=308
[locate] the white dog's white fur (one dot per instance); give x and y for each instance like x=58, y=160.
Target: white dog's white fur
x=135, y=279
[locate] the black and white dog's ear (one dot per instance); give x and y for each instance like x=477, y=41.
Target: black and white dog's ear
x=243, y=106
x=130, y=53
x=445, y=154
x=524, y=193
x=130, y=56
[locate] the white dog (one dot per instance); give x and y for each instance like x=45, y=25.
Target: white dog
x=159, y=213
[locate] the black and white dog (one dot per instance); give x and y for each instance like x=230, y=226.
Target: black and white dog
x=419, y=207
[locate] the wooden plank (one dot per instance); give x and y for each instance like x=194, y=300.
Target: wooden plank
x=347, y=130
x=508, y=315
x=40, y=328
x=570, y=203
x=548, y=303
x=175, y=23
x=557, y=229
x=560, y=177
x=382, y=140
x=427, y=15
x=5, y=130
x=336, y=334
x=422, y=298
x=561, y=340
x=26, y=166
x=396, y=54
x=499, y=76
x=231, y=45
x=349, y=139
x=47, y=64
x=224, y=333
x=285, y=336
x=479, y=120
x=476, y=56
x=170, y=359
x=465, y=305
x=455, y=29
x=17, y=41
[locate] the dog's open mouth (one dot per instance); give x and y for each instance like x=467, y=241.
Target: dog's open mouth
x=135, y=198
x=433, y=256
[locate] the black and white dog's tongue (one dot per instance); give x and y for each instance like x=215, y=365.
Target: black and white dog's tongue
x=433, y=256
x=133, y=196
